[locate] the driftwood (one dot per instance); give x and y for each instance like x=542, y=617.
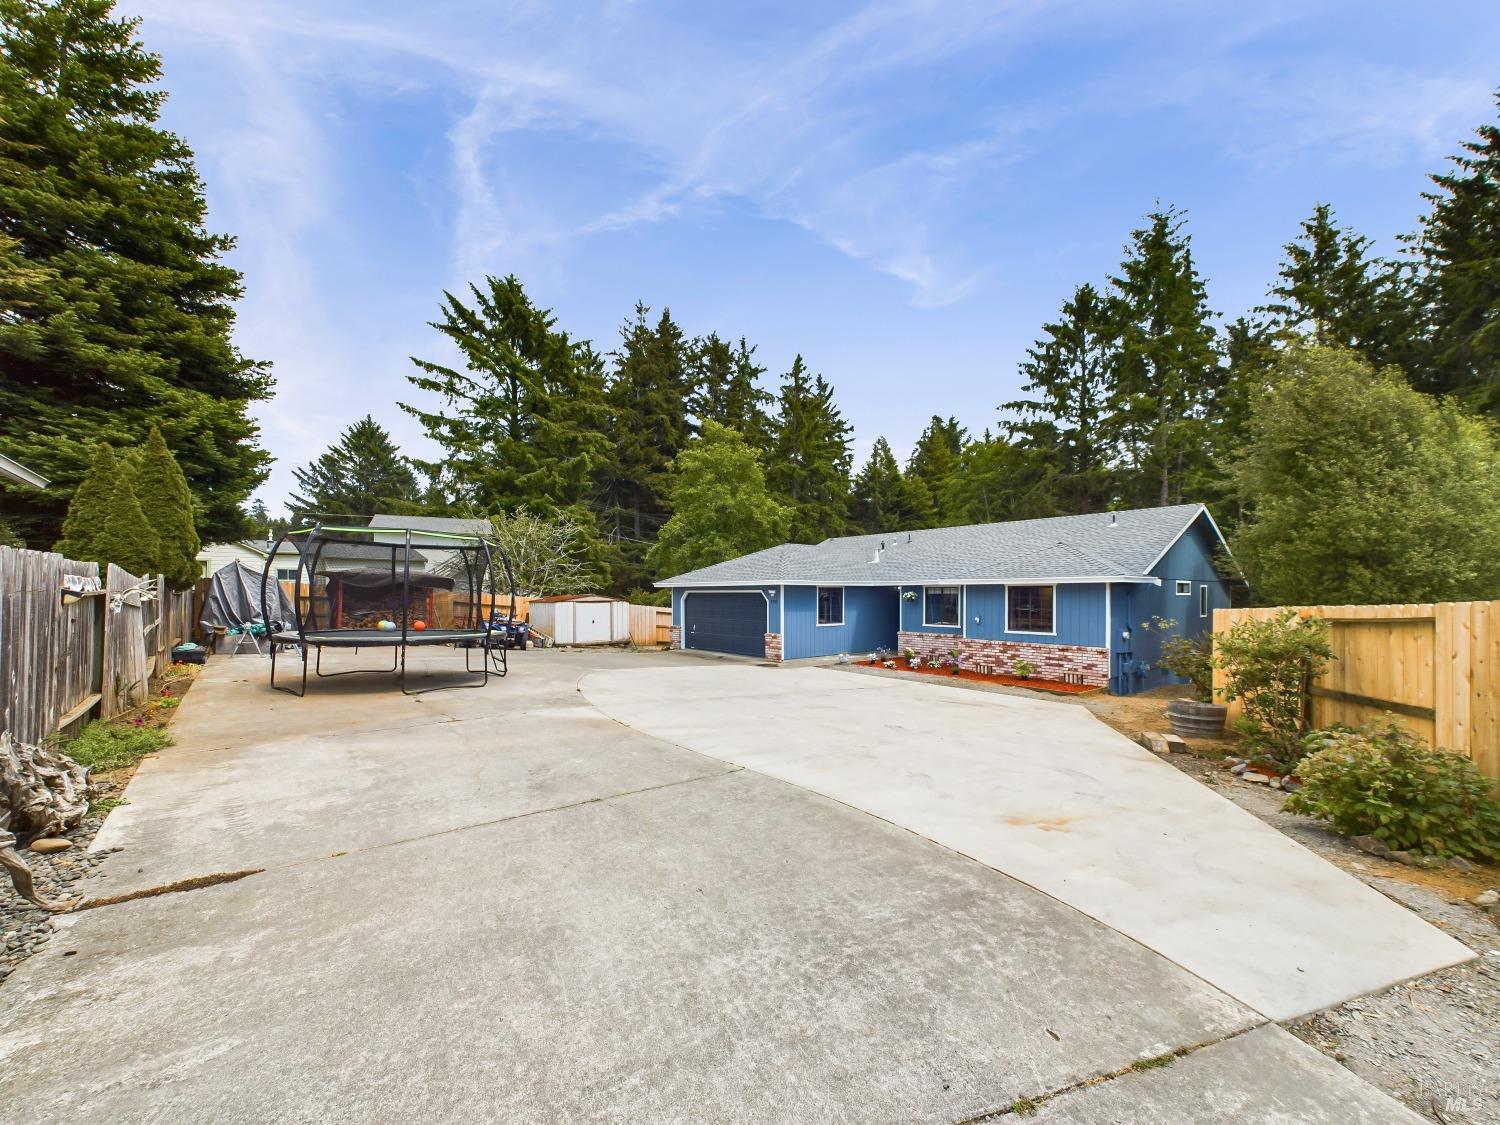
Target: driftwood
x=42, y=792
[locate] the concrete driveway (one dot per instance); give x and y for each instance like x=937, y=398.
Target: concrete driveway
x=511, y=905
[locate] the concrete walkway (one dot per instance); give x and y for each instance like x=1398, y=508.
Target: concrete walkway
x=1048, y=794
x=505, y=905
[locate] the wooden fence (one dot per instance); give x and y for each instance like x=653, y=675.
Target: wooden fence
x=650, y=625
x=61, y=664
x=1432, y=666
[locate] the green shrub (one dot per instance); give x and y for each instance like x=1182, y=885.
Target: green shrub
x=1383, y=781
x=1024, y=669
x=1268, y=665
x=109, y=746
x=1190, y=658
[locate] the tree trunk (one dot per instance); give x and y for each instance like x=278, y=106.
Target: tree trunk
x=41, y=792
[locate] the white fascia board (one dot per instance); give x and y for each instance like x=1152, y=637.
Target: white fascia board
x=20, y=473
x=897, y=583
x=1202, y=511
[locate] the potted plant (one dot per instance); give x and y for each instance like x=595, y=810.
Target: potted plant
x=1191, y=659
x=1025, y=669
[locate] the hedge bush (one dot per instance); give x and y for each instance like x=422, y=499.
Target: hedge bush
x=1383, y=781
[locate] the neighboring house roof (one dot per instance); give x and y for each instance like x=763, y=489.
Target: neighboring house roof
x=450, y=525
x=246, y=544
x=372, y=552
x=573, y=598
x=1103, y=546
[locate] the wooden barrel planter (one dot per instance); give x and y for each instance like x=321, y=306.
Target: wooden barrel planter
x=1192, y=719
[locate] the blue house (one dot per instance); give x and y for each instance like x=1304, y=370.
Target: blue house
x=1069, y=595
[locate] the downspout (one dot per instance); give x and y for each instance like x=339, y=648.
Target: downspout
x=1109, y=634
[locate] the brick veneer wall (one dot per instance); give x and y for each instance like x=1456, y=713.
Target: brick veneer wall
x=773, y=647
x=1053, y=661
x=674, y=636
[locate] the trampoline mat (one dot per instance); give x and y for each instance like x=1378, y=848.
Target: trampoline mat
x=373, y=638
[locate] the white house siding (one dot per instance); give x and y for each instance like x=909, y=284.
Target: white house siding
x=215, y=556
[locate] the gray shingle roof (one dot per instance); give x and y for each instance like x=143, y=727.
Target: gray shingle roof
x=452, y=525
x=1114, y=545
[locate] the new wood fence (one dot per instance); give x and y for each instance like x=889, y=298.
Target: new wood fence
x=650, y=625
x=61, y=664
x=1432, y=666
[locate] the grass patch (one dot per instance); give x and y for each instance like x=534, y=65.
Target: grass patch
x=106, y=804
x=1153, y=1062
x=108, y=746
x=1025, y=1107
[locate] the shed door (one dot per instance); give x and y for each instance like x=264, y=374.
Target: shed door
x=591, y=623
x=725, y=623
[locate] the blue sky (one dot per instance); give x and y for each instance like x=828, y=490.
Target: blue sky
x=902, y=192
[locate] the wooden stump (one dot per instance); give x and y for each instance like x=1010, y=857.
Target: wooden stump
x=42, y=793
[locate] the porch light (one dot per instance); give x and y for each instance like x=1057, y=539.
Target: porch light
x=1125, y=635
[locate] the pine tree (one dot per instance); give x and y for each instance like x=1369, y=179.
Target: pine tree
x=721, y=508
x=1333, y=292
x=90, y=502
x=361, y=474
x=809, y=462
x=648, y=425
x=126, y=308
x=725, y=388
x=1459, y=249
x=881, y=498
x=1166, y=369
x=999, y=479
x=1069, y=380
x=932, y=464
x=168, y=505
x=520, y=424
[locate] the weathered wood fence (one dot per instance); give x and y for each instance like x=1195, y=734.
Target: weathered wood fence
x=1432, y=666
x=63, y=663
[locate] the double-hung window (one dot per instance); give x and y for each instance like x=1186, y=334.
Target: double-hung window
x=940, y=606
x=830, y=605
x=1028, y=609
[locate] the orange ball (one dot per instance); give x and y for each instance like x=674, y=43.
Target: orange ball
x=419, y=625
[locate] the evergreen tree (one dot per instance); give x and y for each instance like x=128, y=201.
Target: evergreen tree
x=1166, y=370
x=931, y=466
x=882, y=499
x=520, y=424
x=721, y=508
x=168, y=506
x=1459, y=249
x=725, y=388
x=1334, y=293
x=125, y=307
x=999, y=479
x=1365, y=490
x=648, y=424
x=361, y=474
x=90, y=502
x=809, y=462
x=1068, y=378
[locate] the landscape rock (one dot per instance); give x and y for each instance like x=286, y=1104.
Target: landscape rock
x=1459, y=863
x=1256, y=776
x=1239, y=769
x=1371, y=845
x=49, y=844
x=1486, y=898
x=1401, y=857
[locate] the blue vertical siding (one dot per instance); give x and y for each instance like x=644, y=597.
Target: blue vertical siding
x=870, y=618
x=1077, y=608
x=911, y=615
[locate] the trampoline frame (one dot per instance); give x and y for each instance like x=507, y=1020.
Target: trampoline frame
x=480, y=634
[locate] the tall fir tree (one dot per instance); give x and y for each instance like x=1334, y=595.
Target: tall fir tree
x=1458, y=246
x=931, y=467
x=1334, y=293
x=725, y=388
x=810, y=460
x=1069, y=376
x=1001, y=479
x=1166, y=370
x=521, y=422
x=168, y=504
x=127, y=307
x=105, y=523
x=721, y=507
x=882, y=498
x=360, y=474
x=647, y=404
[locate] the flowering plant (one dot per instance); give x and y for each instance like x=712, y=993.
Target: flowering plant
x=908, y=595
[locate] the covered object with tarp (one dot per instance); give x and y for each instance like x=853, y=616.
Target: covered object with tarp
x=233, y=602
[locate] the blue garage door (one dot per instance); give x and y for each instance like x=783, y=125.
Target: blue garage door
x=725, y=623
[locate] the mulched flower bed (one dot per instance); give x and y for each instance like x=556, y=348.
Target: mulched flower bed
x=1034, y=683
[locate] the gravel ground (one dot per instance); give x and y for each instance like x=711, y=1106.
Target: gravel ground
x=1432, y=1043
x=24, y=928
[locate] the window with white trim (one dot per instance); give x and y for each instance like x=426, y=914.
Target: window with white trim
x=1028, y=609
x=1184, y=588
x=830, y=605
x=1202, y=601
x=940, y=605
x=286, y=574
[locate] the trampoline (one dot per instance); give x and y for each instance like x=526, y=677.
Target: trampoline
x=391, y=588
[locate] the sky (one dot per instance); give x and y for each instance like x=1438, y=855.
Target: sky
x=901, y=192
